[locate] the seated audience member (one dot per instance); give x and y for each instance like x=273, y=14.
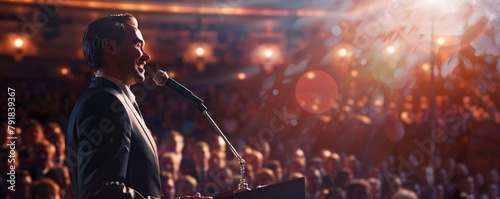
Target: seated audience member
x=335, y=193
x=173, y=142
x=185, y=186
x=313, y=183
x=254, y=158
x=200, y=156
x=331, y=165
x=299, y=155
x=57, y=139
x=343, y=178
x=490, y=191
x=465, y=188
x=169, y=162
x=52, y=128
x=439, y=192
x=23, y=184
x=45, y=189
x=316, y=163
x=295, y=165
x=216, y=144
x=223, y=179
x=375, y=188
x=264, y=176
x=44, y=167
x=264, y=148
x=33, y=133
x=293, y=176
x=167, y=185
x=404, y=194
x=358, y=189
x=275, y=166
x=217, y=161
x=390, y=185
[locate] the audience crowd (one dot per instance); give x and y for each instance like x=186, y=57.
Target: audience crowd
x=365, y=147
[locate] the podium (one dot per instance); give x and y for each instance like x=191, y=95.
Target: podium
x=294, y=189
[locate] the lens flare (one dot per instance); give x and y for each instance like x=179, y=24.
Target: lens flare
x=316, y=94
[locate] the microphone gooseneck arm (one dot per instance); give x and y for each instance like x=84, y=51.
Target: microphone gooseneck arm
x=162, y=79
x=242, y=186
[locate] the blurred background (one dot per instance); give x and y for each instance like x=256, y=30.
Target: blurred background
x=395, y=94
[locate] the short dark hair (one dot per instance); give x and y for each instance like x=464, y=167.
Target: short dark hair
x=106, y=27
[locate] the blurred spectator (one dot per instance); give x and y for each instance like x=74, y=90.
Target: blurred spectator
x=173, y=142
x=263, y=147
x=185, y=186
x=52, y=128
x=223, y=179
x=275, y=166
x=264, y=176
x=255, y=159
x=200, y=156
x=295, y=166
x=358, y=189
x=490, y=191
x=216, y=144
x=332, y=166
x=335, y=193
x=33, y=133
x=167, y=185
x=466, y=189
x=343, y=178
x=313, y=183
x=23, y=184
x=57, y=139
x=375, y=188
x=404, y=194
x=44, y=167
x=45, y=189
x=170, y=163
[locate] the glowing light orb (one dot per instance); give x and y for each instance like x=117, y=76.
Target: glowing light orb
x=343, y=52
x=200, y=51
x=18, y=43
x=242, y=76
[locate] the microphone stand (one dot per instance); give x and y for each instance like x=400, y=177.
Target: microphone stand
x=242, y=186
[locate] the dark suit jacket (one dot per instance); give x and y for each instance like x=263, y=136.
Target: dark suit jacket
x=110, y=151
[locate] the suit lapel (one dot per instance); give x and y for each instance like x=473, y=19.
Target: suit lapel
x=142, y=123
x=101, y=82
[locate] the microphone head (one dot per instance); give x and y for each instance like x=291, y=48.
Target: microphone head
x=160, y=78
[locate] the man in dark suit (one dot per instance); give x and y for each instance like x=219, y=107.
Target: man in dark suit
x=110, y=151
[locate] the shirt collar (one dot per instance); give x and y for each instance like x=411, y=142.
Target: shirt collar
x=120, y=84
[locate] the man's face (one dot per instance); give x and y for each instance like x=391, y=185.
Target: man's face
x=131, y=56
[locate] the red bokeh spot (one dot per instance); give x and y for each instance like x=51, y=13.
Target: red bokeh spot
x=316, y=91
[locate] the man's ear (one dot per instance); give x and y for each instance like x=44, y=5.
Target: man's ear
x=109, y=46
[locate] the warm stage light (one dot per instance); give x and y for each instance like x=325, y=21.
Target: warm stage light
x=242, y=76
x=440, y=41
x=200, y=51
x=426, y=66
x=18, y=43
x=268, y=53
x=64, y=71
x=171, y=74
x=310, y=75
x=354, y=73
x=343, y=52
x=391, y=49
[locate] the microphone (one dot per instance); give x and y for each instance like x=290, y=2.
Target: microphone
x=161, y=78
